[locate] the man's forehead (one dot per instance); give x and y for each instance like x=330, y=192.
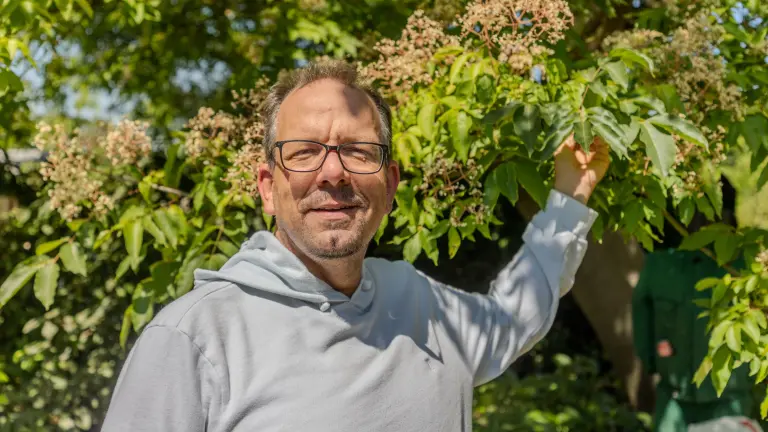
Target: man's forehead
x=327, y=95
x=315, y=107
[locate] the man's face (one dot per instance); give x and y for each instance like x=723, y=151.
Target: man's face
x=328, y=213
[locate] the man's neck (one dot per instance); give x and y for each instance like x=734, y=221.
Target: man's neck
x=342, y=274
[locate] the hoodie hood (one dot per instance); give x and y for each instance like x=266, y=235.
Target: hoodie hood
x=264, y=264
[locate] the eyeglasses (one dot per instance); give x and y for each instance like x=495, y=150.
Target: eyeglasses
x=355, y=157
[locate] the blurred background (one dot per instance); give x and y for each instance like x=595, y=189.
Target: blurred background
x=78, y=62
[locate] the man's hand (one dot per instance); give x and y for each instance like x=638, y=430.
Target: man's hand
x=576, y=172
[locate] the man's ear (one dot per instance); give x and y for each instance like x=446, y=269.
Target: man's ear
x=393, y=180
x=265, y=182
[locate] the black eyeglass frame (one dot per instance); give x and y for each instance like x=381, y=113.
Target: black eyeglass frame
x=337, y=148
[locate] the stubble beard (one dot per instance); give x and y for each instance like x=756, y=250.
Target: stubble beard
x=342, y=243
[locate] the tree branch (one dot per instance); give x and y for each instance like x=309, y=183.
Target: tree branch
x=684, y=232
x=169, y=190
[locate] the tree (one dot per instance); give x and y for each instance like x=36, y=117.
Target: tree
x=479, y=109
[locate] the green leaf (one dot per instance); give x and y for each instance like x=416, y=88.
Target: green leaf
x=555, y=136
x=608, y=128
x=173, y=167
x=582, y=132
x=457, y=68
x=598, y=88
x=227, y=247
x=185, y=278
x=530, y=179
x=764, y=403
x=501, y=113
x=733, y=338
x=46, y=281
x=706, y=283
x=19, y=277
x=760, y=319
x=618, y=73
x=527, y=126
x=754, y=129
x=86, y=7
x=131, y=214
x=426, y=120
x=49, y=246
x=633, y=213
x=491, y=191
x=166, y=225
x=485, y=89
x=751, y=329
x=412, y=249
x=630, y=57
x=73, y=259
x=483, y=229
x=705, y=207
x=382, y=228
x=198, y=196
x=721, y=368
x=125, y=329
x=763, y=373
x=718, y=334
x=440, y=229
x=101, y=238
x=659, y=146
x=703, y=237
x=686, y=210
x=429, y=245
x=751, y=284
x=122, y=268
x=725, y=248
x=627, y=107
x=459, y=125
x=153, y=229
x=146, y=191
x=133, y=235
x=678, y=126
x=702, y=371
x=763, y=179
x=703, y=303
x=9, y=82
x=651, y=103
x=143, y=308
x=719, y=292
x=454, y=241
x=505, y=180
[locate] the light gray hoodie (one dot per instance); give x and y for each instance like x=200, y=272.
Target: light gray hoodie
x=263, y=345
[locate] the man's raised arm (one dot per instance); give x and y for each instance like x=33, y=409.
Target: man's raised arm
x=493, y=330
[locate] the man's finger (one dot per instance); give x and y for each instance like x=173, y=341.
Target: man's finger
x=569, y=143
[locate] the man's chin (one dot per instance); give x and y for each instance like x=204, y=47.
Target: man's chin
x=335, y=244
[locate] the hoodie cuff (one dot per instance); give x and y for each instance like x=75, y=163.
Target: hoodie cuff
x=565, y=214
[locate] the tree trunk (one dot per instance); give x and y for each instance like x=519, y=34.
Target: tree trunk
x=603, y=290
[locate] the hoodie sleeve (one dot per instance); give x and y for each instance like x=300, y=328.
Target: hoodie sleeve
x=493, y=330
x=166, y=384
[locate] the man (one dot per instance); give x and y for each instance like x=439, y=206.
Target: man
x=299, y=332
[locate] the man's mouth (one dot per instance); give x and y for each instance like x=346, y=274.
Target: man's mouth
x=335, y=210
x=335, y=207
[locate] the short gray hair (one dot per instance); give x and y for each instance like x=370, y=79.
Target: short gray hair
x=340, y=71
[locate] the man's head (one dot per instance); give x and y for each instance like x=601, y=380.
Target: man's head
x=328, y=200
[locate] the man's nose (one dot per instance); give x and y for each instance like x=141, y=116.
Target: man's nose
x=332, y=171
